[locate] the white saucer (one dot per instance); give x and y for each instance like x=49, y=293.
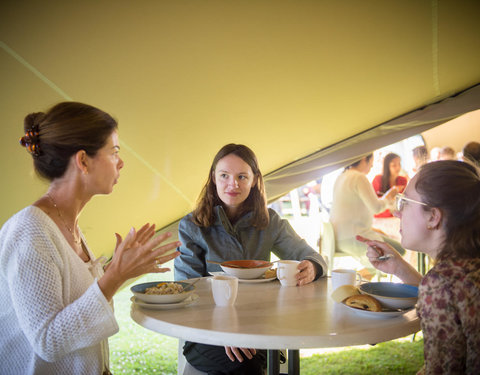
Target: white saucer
x=165, y=306
x=377, y=314
x=246, y=281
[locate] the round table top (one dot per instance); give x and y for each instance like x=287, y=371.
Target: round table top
x=270, y=316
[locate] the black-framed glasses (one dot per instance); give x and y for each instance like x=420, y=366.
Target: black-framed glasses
x=400, y=200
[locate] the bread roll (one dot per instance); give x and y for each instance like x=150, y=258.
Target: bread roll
x=343, y=292
x=271, y=273
x=364, y=302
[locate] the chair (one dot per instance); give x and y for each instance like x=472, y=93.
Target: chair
x=327, y=243
x=183, y=367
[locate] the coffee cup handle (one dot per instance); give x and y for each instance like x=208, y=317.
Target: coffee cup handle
x=359, y=278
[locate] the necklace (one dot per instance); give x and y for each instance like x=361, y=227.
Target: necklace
x=77, y=241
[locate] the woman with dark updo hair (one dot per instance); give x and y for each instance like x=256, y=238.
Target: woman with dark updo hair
x=440, y=216
x=56, y=299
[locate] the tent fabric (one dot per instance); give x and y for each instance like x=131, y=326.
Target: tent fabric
x=341, y=154
x=287, y=78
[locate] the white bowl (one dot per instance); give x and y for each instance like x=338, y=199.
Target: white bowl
x=392, y=295
x=252, y=269
x=139, y=292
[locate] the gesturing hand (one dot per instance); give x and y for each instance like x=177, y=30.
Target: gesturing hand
x=139, y=253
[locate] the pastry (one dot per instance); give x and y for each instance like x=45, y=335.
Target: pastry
x=364, y=302
x=343, y=292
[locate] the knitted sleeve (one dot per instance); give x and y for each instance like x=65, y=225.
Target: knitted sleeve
x=54, y=311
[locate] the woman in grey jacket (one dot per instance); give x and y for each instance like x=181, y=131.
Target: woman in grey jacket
x=231, y=222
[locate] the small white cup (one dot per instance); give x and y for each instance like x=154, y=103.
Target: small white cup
x=286, y=271
x=224, y=289
x=345, y=277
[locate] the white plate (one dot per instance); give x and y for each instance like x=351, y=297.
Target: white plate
x=165, y=306
x=139, y=292
x=247, y=281
x=375, y=314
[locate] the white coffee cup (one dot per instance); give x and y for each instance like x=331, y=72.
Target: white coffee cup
x=345, y=277
x=224, y=289
x=286, y=272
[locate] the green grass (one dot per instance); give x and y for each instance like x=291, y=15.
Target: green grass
x=393, y=357
x=136, y=350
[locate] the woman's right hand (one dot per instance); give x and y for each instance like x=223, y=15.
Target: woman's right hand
x=139, y=253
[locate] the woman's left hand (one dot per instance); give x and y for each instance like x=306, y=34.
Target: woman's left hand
x=233, y=353
x=306, y=272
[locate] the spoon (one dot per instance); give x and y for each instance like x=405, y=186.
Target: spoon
x=192, y=284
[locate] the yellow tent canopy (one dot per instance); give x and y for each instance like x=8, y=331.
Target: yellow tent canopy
x=287, y=78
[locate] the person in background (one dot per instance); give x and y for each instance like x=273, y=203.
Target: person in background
x=440, y=216
x=56, y=299
x=420, y=157
x=231, y=221
x=471, y=152
x=389, y=178
x=447, y=153
x=435, y=153
x=354, y=204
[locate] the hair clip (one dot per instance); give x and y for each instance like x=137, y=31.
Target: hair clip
x=30, y=141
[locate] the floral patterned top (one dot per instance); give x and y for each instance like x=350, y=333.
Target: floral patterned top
x=449, y=308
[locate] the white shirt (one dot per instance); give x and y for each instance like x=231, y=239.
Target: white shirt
x=353, y=207
x=54, y=319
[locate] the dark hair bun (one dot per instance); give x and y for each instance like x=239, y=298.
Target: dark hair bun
x=32, y=121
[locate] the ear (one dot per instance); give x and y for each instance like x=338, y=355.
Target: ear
x=81, y=161
x=255, y=180
x=435, y=218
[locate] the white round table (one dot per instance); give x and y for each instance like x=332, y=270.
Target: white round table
x=269, y=316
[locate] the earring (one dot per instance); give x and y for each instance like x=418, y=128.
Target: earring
x=429, y=227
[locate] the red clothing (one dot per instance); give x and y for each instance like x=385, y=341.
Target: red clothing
x=377, y=186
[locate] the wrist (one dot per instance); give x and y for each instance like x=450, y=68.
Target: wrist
x=109, y=283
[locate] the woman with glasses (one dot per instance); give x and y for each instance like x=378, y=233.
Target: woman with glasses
x=353, y=207
x=440, y=216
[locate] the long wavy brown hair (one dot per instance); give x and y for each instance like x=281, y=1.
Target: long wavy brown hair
x=204, y=213
x=386, y=171
x=454, y=188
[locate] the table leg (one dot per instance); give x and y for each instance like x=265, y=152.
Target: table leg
x=294, y=362
x=273, y=362
x=421, y=263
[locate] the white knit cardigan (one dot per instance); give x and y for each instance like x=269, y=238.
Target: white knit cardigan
x=54, y=319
